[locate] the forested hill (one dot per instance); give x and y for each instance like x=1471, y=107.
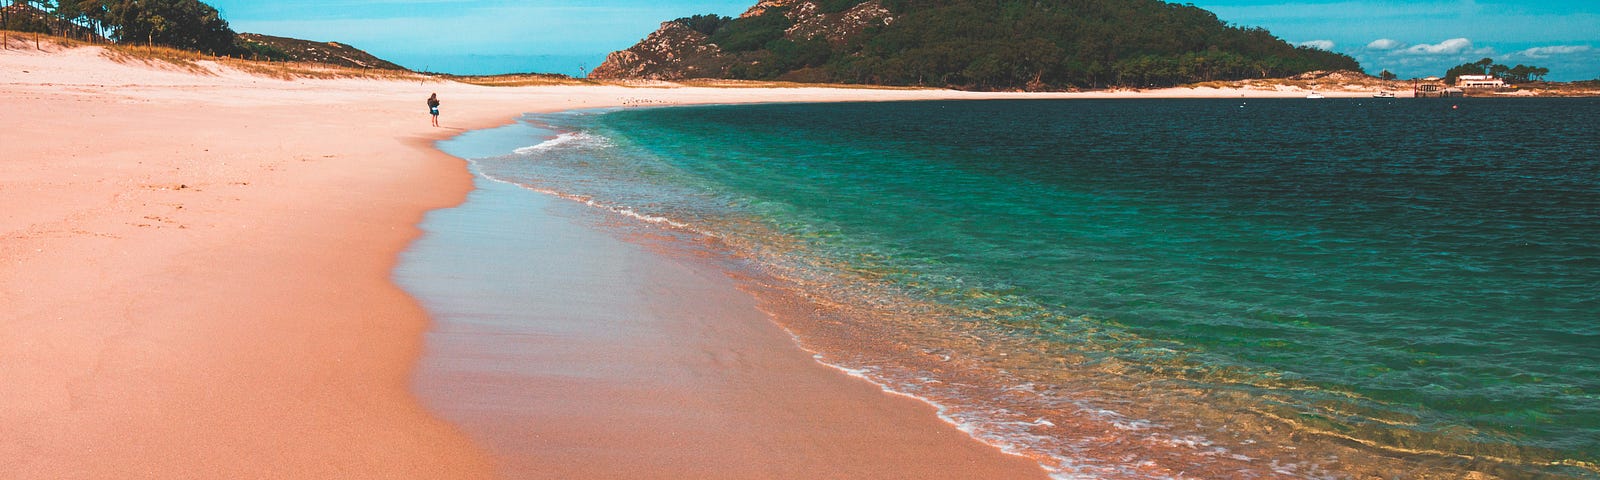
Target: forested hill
x=268, y=47
x=970, y=44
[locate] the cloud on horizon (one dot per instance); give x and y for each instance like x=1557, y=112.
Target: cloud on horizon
x=1448, y=47
x=1554, y=50
x=1326, y=45
x=1566, y=62
x=1420, y=37
x=1385, y=44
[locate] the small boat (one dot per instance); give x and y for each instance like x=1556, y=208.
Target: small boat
x=1315, y=95
x=1383, y=95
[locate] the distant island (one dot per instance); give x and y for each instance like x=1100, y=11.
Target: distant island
x=968, y=44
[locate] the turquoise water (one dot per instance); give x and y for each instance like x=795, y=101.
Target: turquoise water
x=1273, y=287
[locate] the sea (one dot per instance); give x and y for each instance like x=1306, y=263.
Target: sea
x=1216, y=288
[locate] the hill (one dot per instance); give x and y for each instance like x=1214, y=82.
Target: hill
x=268, y=47
x=968, y=44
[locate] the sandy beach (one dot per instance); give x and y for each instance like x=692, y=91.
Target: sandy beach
x=197, y=269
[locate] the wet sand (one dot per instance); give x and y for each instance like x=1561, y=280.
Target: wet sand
x=571, y=353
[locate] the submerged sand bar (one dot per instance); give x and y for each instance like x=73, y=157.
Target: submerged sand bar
x=195, y=282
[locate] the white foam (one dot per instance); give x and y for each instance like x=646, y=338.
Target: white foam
x=1010, y=442
x=564, y=139
x=586, y=200
x=617, y=209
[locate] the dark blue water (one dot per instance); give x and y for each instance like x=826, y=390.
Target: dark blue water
x=1264, y=288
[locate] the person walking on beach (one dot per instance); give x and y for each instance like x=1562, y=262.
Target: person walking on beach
x=433, y=108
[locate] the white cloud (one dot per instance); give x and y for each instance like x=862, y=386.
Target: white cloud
x=1567, y=62
x=1342, y=10
x=1547, y=52
x=1318, y=44
x=1384, y=44
x=1448, y=47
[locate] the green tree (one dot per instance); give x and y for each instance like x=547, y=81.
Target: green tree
x=184, y=24
x=793, y=55
x=90, y=13
x=1386, y=75
x=707, y=24
x=1483, y=65
x=753, y=33
x=1499, y=70
x=1518, y=74
x=67, y=12
x=1457, y=71
x=831, y=6
x=26, y=16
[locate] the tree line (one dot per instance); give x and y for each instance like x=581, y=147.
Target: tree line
x=183, y=24
x=1518, y=74
x=1015, y=44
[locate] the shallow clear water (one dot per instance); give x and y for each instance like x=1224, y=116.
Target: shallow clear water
x=1285, y=286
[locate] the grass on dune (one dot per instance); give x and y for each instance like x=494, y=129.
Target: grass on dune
x=198, y=63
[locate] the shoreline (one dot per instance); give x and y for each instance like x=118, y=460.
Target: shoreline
x=549, y=327
x=199, y=265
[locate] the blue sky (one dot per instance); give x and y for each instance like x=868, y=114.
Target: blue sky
x=1425, y=37
x=1409, y=37
x=472, y=36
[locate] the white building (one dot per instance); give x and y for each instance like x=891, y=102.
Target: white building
x=1479, y=81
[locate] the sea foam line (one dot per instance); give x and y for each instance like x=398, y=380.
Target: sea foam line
x=574, y=140
x=1060, y=468
x=560, y=140
x=1057, y=466
x=623, y=210
x=1012, y=435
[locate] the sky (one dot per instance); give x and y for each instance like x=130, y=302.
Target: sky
x=473, y=37
x=1417, y=38
x=1412, y=38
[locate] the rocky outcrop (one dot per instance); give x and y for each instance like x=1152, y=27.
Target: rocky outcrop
x=673, y=52
x=676, y=52
x=764, y=5
x=837, y=28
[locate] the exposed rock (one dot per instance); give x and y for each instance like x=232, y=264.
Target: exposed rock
x=837, y=27
x=676, y=52
x=765, y=5
x=673, y=52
